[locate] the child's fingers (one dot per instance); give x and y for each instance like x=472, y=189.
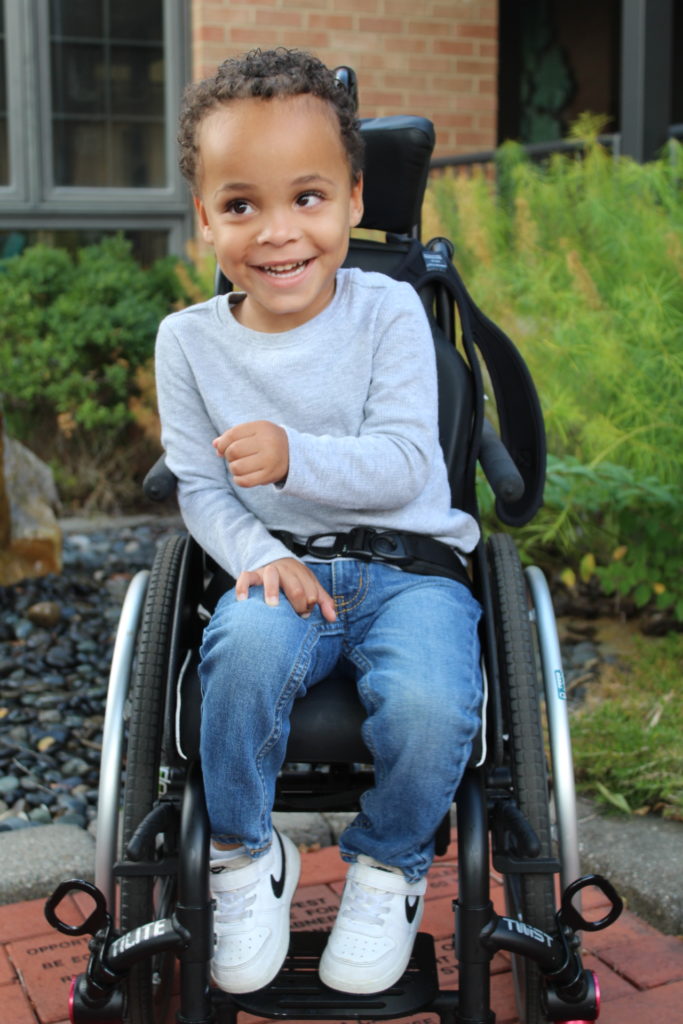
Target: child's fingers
x=244, y=581
x=299, y=585
x=327, y=608
x=271, y=584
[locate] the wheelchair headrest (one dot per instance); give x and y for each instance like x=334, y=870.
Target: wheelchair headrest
x=397, y=155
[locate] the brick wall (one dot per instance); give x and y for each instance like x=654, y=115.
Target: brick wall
x=437, y=58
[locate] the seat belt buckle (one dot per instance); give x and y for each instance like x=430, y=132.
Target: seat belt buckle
x=390, y=546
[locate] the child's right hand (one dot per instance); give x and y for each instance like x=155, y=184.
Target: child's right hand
x=299, y=585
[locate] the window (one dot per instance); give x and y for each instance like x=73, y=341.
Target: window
x=89, y=94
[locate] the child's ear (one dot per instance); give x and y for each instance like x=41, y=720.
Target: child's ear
x=207, y=233
x=356, y=202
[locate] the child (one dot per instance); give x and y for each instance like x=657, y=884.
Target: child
x=306, y=402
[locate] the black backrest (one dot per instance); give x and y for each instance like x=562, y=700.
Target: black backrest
x=398, y=151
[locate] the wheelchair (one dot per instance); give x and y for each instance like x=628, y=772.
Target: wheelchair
x=515, y=807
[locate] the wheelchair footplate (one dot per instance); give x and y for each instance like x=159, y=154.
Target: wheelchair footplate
x=298, y=993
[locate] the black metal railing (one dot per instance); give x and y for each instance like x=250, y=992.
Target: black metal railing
x=539, y=150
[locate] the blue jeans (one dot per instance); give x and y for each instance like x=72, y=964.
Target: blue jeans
x=413, y=643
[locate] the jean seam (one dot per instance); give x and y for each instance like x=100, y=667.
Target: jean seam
x=344, y=604
x=291, y=684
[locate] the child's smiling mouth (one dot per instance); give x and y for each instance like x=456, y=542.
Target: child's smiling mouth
x=284, y=270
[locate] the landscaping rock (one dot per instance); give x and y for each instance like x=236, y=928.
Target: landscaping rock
x=30, y=537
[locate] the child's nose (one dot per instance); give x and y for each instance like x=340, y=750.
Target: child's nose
x=278, y=228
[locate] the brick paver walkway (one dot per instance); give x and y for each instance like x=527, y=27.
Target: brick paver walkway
x=640, y=970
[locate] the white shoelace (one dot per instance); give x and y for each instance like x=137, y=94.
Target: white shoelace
x=366, y=906
x=232, y=907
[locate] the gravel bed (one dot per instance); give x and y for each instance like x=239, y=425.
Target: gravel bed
x=56, y=641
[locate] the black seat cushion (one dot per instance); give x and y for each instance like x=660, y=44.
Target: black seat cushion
x=325, y=727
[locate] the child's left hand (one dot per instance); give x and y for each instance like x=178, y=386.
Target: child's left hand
x=257, y=453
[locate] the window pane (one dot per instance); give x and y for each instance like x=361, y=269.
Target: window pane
x=80, y=153
x=108, y=94
x=137, y=81
x=79, y=18
x=132, y=19
x=4, y=126
x=78, y=85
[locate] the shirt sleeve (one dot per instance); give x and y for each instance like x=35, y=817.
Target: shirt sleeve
x=387, y=464
x=232, y=535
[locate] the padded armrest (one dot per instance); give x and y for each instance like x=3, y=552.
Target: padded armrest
x=159, y=483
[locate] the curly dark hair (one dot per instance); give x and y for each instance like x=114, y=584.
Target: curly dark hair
x=267, y=74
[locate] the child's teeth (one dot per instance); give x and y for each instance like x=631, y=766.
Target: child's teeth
x=286, y=268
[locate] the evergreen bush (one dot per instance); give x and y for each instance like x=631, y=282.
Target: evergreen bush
x=76, y=347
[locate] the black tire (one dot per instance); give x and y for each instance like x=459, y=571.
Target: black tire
x=147, y=899
x=528, y=897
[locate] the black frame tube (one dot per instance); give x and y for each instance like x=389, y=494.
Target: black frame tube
x=194, y=908
x=473, y=907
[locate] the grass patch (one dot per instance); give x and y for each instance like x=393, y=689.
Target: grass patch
x=626, y=737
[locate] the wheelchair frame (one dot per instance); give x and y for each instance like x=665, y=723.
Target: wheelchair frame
x=164, y=868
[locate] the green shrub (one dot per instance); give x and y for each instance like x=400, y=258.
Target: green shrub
x=627, y=737
x=581, y=262
x=76, y=345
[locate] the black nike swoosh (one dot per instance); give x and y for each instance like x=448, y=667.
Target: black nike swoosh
x=411, y=908
x=278, y=884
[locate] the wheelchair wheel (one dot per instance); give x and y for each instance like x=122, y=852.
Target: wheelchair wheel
x=529, y=897
x=148, y=898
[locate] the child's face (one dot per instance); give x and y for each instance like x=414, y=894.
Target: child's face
x=277, y=203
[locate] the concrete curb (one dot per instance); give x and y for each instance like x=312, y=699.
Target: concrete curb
x=641, y=857
x=36, y=859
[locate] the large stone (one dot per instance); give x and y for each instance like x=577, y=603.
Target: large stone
x=30, y=537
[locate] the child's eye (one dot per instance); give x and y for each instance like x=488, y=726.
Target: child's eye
x=239, y=207
x=308, y=199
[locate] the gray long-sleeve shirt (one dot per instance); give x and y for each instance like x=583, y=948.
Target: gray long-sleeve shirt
x=354, y=388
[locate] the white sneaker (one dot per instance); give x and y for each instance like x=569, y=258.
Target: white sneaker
x=251, y=920
x=370, y=944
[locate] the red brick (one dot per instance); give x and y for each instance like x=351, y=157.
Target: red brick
x=314, y=908
x=16, y=1008
x=627, y=930
x=663, y=1005
x=6, y=970
x=46, y=965
x=289, y=19
x=21, y=920
x=211, y=33
x=380, y=25
x=453, y=47
x=648, y=963
x=478, y=31
x=439, y=918
x=333, y=22
x=306, y=39
x=612, y=986
x=322, y=866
